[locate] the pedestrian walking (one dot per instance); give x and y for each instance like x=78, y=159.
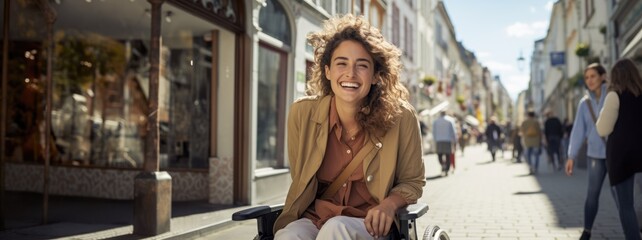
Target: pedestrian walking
x=493, y=137
x=445, y=135
x=518, y=148
x=620, y=119
x=584, y=130
x=532, y=138
x=553, y=132
x=464, y=136
x=354, y=144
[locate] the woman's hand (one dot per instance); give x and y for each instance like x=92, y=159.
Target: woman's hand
x=569, y=167
x=380, y=218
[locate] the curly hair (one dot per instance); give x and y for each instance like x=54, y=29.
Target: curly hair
x=383, y=104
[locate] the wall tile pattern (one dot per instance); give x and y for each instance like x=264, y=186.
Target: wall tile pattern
x=221, y=180
x=97, y=182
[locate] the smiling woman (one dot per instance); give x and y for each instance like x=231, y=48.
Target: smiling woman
x=354, y=145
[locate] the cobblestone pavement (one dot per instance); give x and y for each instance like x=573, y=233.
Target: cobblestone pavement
x=499, y=200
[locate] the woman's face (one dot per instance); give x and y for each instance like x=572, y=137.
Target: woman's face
x=593, y=79
x=351, y=72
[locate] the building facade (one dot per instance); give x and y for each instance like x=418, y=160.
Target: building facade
x=228, y=71
x=99, y=70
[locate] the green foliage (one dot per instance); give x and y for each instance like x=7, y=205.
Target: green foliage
x=428, y=80
x=582, y=49
x=460, y=99
x=603, y=29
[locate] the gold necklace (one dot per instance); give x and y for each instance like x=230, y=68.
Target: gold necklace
x=352, y=136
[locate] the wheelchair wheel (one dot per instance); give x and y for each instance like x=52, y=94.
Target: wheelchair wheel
x=433, y=232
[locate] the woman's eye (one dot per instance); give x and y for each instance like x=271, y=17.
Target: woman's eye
x=363, y=66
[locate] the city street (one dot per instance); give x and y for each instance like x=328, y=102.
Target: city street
x=499, y=200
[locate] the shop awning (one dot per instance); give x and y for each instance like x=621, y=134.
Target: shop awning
x=432, y=111
x=471, y=120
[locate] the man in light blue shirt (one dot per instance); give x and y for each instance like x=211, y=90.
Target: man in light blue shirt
x=444, y=133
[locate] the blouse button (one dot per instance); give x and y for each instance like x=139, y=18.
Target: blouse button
x=378, y=145
x=344, y=184
x=369, y=178
x=348, y=151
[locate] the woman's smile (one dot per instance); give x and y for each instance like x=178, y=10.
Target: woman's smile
x=351, y=72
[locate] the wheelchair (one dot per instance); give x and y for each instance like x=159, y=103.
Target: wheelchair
x=266, y=216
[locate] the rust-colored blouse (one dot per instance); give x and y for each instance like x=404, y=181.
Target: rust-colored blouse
x=353, y=199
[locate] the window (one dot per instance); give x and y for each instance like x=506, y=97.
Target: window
x=101, y=85
x=270, y=108
x=408, y=39
x=274, y=22
x=395, y=25
x=440, y=36
x=185, y=89
x=404, y=47
x=589, y=9
x=272, y=69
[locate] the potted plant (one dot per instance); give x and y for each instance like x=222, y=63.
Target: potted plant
x=582, y=50
x=460, y=99
x=603, y=29
x=428, y=80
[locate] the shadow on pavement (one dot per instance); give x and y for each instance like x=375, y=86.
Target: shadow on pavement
x=484, y=163
x=567, y=196
x=527, y=193
x=434, y=177
x=524, y=175
x=25, y=211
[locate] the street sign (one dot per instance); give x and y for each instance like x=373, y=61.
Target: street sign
x=557, y=58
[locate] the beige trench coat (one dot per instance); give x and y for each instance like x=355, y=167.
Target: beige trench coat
x=393, y=164
x=531, y=141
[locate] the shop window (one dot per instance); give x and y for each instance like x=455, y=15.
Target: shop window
x=101, y=85
x=274, y=22
x=185, y=89
x=270, y=108
x=272, y=81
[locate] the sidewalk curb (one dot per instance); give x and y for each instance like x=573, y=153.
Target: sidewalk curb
x=204, y=230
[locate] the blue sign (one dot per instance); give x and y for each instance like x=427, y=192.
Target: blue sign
x=557, y=58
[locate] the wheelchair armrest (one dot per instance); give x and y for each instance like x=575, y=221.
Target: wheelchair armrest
x=412, y=211
x=255, y=212
x=265, y=218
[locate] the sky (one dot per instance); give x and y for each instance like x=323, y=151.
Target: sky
x=498, y=31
